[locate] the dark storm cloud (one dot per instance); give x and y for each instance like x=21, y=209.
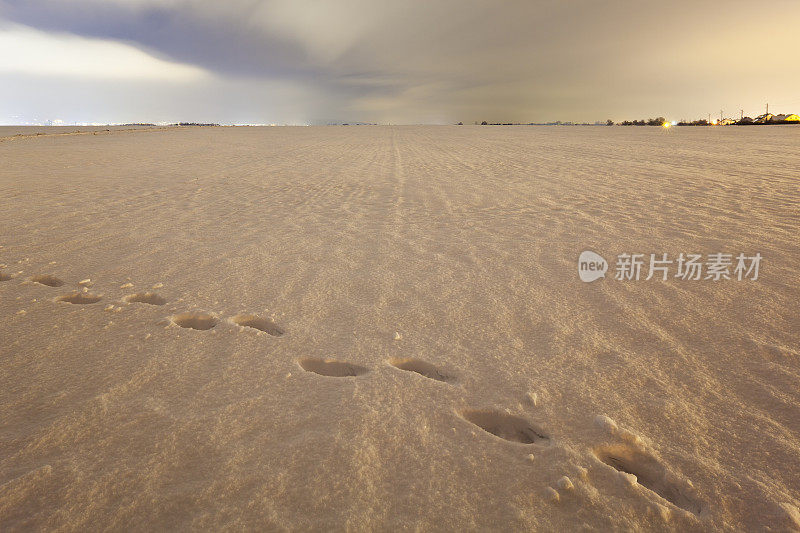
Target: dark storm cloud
x=453, y=60
x=222, y=45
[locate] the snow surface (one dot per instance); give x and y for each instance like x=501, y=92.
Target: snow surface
x=382, y=328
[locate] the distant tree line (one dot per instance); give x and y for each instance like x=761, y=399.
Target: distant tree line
x=702, y=122
x=658, y=121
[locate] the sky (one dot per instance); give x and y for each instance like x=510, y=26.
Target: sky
x=399, y=62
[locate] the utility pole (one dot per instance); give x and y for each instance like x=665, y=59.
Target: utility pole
x=741, y=114
x=720, y=115
x=709, y=118
x=767, y=108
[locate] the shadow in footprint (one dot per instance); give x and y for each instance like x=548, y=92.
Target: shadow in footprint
x=150, y=298
x=420, y=367
x=195, y=320
x=330, y=367
x=80, y=298
x=649, y=473
x=508, y=427
x=262, y=324
x=46, y=279
x=4, y=276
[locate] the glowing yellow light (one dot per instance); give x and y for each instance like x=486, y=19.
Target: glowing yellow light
x=666, y=125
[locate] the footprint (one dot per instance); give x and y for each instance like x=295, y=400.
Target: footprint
x=420, y=367
x=505, y=426
x=195, y=320
x=649, y=473
x=79, y=298
x=263, y=324
x=146, y=298
x=330, y=367
x=4, y=276
x=47, y=279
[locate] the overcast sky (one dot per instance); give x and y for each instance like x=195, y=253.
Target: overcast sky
x=401, y=61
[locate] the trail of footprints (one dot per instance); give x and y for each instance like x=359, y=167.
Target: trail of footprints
x=331, y=368
x=629, y=458
x=191, y=320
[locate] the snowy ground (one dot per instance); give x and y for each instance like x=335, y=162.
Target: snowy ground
x=391, y=331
